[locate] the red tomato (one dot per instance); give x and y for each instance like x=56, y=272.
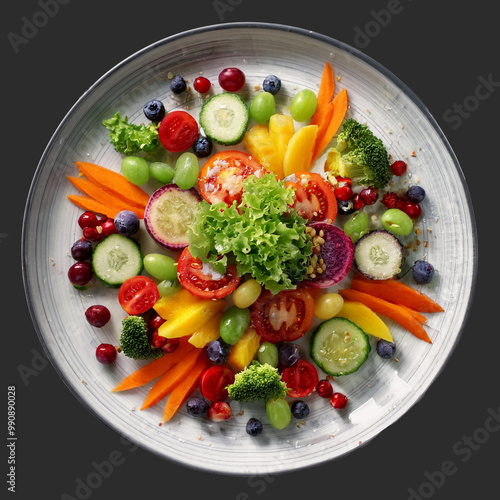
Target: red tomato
x=214, y=381
x=222, y=175
x=314, y=197
x=138, y=294
x=283, y=317
x=202, y=281
x=178, y=131
x=301, y=378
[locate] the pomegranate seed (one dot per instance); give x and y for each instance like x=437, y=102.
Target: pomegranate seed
x=202, y=84
x=170, y=345
x=97, y=316
x=343, y=192
x=324, y=389
x=155, y=322
x=106, y=354
x=369, y=195
x=399, y=168
x=358, y=202
x=338, y=400
x=87, y=219
x=390, y=200
x=218, y=411
x=157, y=341
x=413, y=210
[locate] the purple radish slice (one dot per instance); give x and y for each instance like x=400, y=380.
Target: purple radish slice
x=337, y=253
x=169, y=214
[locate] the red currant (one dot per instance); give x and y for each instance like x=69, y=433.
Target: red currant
x=155, y=322
x=157, y=341
x=218, y=411
x=338, y=400
x=106, y=354
x=390, y=200
x=369, y=195
x=358, y=202
x=399, y=168
x=324, y=389
x=343, y=191
x=202, y=84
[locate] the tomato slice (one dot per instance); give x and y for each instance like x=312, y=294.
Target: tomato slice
x=314, y=196
x=178, y=131
x=283, y=317
x=214, y=381
x=222, y=176
x=301, y=378
x=201, y=280
x=138, y=294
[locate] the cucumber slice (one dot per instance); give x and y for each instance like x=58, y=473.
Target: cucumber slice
x=117, y=258
x=224, y=118
x=339, y=346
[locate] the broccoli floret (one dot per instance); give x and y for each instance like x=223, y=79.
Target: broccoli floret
x=257, y=382
x=134, y=339
x=360, y=155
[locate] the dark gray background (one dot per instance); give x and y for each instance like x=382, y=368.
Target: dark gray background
x=439, y=51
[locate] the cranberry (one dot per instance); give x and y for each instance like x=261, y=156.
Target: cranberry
x=343, y=192
x=413, y=210
x=87, y=219
x=80, y=273
x=157, y=341
x=170, y=345
x=97, y=316
x=358, y=202
x=338, y=400
x=202, y=84
x=324, y=389
x=105, y=353
x=218, y=411
x=390, y=200
x=369, y=195
x=399, y=168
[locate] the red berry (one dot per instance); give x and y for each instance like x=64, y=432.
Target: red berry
x=97, y=316
x=108, y=227
x=218, y=411
x=93, y=233
x=324, y=389
x=87, y=219
x=80, y=273
x=369, y=195
x=105, y=353
x=232, y=79
x=170, y=345
x=401, y=204
x=399, y=168
x=390, y=200
x=343, y=192
x=155, y=322
x=157, y=341
x=413, y=210
x=202, y=84
x=358, y=202
x=338, y=400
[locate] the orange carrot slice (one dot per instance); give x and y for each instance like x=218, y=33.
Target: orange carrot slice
x=323, y=112
x=399, y=314
x=417, y=315
x=87, y=203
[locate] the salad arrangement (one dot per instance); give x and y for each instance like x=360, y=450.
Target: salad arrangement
x=249, y=243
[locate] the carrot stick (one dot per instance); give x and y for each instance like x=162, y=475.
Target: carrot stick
x=154, y=369
x=396, y=292
x=184, y=389
x=399, y=314
x=324, y=111
x=417, y=315
x=171, y=379
x=87, y=203
x=114, y=183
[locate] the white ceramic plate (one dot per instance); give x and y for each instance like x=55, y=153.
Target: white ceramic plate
x=381, y=391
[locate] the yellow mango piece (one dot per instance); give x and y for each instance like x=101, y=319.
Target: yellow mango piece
x=245, y=350
x=170, y=304
x=207, y=332
x=260, y=145
x=299, y=153
x=366, y=319
x=281, y=130
x=191, y=318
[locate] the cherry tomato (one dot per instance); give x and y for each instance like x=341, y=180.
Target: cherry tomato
x=222, y=175
x=214, y=381
x=138, y=294
x=283, y=317
x=314, y=196
x=301, y=378
x=178, y=131
x=202, y=281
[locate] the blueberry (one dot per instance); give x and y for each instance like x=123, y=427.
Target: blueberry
x=288, y=354
x=81, y=250
x=217, y=352
x=127, y=223
x=272, y=84
x=196, y=407
x=386, y=349
x=178, y=84
x=202, y=147
x=254, y=427
x=345, y=207
x=423, y=272
x=154, y=110
x=300, y=409
x=415, y=194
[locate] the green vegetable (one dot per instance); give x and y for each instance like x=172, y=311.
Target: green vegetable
x=134, y=339
x=261, y=234
x=359, y=155
x=128, y=138
x=257, y=383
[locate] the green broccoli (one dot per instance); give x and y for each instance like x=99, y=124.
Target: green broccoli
x=359, y=155
x=257, y=382
x=134, y=339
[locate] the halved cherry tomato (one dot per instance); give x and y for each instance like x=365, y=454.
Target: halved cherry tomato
x=178, y=131
x=222, y=175
x=138, y=294
x=301, y=378
x=201, y=280
x=283, y=317
x=314, y=196
x=214, y=381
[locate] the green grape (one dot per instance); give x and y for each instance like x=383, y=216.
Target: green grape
x=135, y=170
x=161, y=172
x=233, y=324
x=303, y=105
x=262, y=107
x=268, y=353
x=186, y=170
x=168, y=287
x=356, y=226
x=246, y=294
x=278, y=413
x=161, y=267
x=397, y=222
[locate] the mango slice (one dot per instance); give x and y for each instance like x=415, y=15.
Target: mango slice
x=298, y=156
x=245, y=350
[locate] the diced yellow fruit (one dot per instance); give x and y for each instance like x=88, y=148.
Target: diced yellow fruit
x=260, y=145
x=298, y=156
x=281, y=130
x=189, y=319
x=207, y=332
x=245, y=350
x=170, y=304
x=366, y=319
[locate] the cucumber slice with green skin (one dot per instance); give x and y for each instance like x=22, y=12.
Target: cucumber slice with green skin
x=117, y=258
x=224, y=118
x=339, y=346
